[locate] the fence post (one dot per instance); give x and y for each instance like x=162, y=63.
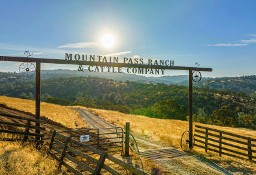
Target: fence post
x=25, y=138
x=220, y=144
x=52, y=140
x=64, y=152
x=98, y=138
x=249, y=148
x=206, y=140
x=122, y=140
x=127, y=137
x=38, y=97
x=100, y=163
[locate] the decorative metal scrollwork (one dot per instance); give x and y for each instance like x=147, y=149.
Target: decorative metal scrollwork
x=184, y=141
x=134, y=158
x=27, y=69
x=196, y=76
x=133, y=144
x=28, y=53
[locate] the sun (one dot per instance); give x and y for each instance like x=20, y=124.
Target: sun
x=107, y=41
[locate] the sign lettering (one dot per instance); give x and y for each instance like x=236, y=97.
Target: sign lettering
x=84, y=138
x=115, y=59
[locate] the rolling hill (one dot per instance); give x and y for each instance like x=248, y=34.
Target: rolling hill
x=162, y=131
x=63, y=73
x=150, y=99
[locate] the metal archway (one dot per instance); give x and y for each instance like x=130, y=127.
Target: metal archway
x=38, y=62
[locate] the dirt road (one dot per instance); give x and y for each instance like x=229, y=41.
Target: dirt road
x=173, y=160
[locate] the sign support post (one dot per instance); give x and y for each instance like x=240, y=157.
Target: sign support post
x=38, y=97
x=190, y=109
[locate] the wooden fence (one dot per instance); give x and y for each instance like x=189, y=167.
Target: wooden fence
x=84, y=158
x=109, y=141
x=225, y=143
x=17, y=128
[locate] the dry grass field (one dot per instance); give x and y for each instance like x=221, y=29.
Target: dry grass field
x=165, y=131
x=16, y=158
x=162, y=131
x=168, y=133
x=25, y=160
x=57, y=113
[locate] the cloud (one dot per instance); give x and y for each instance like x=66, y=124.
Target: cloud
x=228, y=44
x=118, y=53
x=80, y=45
x=248, y=41
x=38, y=53
x=240, y=43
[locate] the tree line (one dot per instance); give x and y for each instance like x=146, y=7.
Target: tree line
x=220, y=107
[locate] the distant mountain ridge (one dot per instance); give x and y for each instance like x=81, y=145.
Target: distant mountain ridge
x=60, y=73
x=243, y=84
x=66, y=73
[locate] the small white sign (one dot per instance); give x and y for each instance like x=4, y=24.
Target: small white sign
x=84, y=138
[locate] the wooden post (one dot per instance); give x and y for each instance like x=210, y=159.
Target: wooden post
x=52, y=140
x=100, y=163
x=98, y=138
x=122, y=140
x=249, y=148
x=64, y=152
x=206, y=140
x=25, y=138
x=220, y=144
x=190, y=110
x=127, y=138
x=38, y=94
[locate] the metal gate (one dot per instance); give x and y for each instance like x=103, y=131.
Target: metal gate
x=104, y=139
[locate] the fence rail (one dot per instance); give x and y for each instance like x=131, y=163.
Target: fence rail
x=109, y=141
x=79, y=158
x=225, y=143
x=19, y=128
x=85, y=159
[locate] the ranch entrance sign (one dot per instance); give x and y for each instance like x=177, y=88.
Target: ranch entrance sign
x=113, y=64
x=124, y=60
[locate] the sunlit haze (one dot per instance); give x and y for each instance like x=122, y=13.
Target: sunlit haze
x=108, y=40
x=216, y=34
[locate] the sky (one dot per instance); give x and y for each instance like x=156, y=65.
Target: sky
x=219, y=34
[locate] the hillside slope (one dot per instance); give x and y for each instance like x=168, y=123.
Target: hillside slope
x=57, y=113
x=167, y=132
x=243, y=84
x=153, y=100
x=65, y=73
x=25, y=160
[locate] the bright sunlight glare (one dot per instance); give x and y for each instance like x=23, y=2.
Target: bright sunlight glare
x=107, y=41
